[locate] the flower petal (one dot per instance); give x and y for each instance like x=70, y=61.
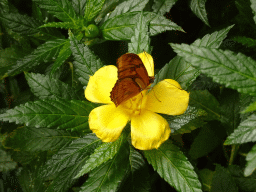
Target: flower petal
x=167, y=97
x=100, y=85
x=107, y=122
x=149, y=130
x=148, y=62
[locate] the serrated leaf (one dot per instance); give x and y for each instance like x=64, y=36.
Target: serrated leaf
x=253, y=6
x=86, y=63
x=45, y=87
x=173, y=167
x=205, y=142
x=64, y=54
x=222, y=181
x=198, y=8
x=225, y=67
x=246, y=41
x=181, y=70
x=162, y=6
x=122, y=26
x=31, y=139
x=250, y=108
x=205, y=176
x=76, y=153
x=246, y=132
x=45, y=52
x=251, y=162
x=65, y=25
x=79, y=6
x=107, y=176
x=102, y=154
x=62, y=9
x=25, y=25
x=207, y=102
x=140, y=41
x=92, y=8
x=6, y=162
x=192, y=119
x=62, y=114
x=128, y=6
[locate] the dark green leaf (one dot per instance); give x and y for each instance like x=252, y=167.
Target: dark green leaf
x=181, y=70
x=246, y=41
x=174, y=167
x=86, y=63
x=65, y=25
x=92, y=8
x=253, y=6
x=62, y=114
x=76, y=153
x=79, y=6
x=140, y=41
x=222, y=181
x=251, y=162
x=108, y=176
x=31, y=139
x=45, y=87
x=205, y=142
x=198, y=8
x=6, y=162
x=122, y=26
x=250, y=108
x=62, y=9
x=128, y=6
x=225, y=67
x=162, y=6
x=205, y=176
x=246, y=132
x=102, y=154
x=45, y=52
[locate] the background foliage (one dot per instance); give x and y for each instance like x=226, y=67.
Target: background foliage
x=50, y=48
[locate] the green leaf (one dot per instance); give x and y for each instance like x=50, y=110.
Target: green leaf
x=8, y=58
x=62, y=114
x=204, y=143
x=62, y=9
x=225, y=67
x=246, y=132
x=6, y=162
x=251, y=162
x=79, y=6
x=198, y=8
x=205, y=176
x=107, y=176
x=122, y=26
x=173, y=167
x=246, y=41
x=31, y=139
x=86, y=63
x=65, y=25
x=140, y=41
x=160, y=7
x=92, y=8
x=250, y=108
x=75, y=153
x=207, y=102
x=102, y=154
x=253, y=6
x=222, y=181
x=45, y=87
x=64, y=54
x=181, y=70
x=43, y=53
x=128, y=6
x=192, y=119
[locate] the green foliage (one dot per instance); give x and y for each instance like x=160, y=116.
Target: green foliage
x=50, y=49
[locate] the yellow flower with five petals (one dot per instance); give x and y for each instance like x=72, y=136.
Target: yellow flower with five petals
x=148, y=129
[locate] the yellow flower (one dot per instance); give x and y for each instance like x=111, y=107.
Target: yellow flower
x=148, y=129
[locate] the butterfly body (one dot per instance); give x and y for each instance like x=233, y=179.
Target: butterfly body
x=132, y=78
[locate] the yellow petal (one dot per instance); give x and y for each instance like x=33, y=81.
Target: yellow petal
x=100, y=85
x=148, y=62
x=107, y=122
x=149, y=130
x=167, y=97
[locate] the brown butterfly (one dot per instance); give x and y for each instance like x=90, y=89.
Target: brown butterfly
x=132, y=78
